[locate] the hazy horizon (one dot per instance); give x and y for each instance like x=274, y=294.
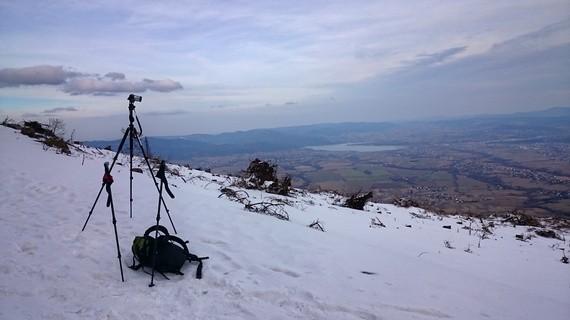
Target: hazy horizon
x=216, y=67
x=120, y=122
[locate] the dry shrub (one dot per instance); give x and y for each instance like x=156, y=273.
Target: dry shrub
x=358, y=201
x=262, y=175
x=520, y=219
x=273, y=208
x=547, y=234
x=405, y=202
x=58, y=143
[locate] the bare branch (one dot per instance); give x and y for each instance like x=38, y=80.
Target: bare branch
x=317, y=225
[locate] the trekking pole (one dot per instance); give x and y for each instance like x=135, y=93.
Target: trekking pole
x=155, y=251
x=107, y=181
x=156, y=184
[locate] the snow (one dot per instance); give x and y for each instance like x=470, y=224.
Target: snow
x=259, y=267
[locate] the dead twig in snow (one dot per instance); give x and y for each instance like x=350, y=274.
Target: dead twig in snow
x=317, y=225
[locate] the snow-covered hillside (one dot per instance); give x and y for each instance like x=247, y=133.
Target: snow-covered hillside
x=260, y=267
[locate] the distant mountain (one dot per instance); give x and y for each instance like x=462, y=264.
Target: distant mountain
x=257, y=140
x=547, y=125
x=552, y=112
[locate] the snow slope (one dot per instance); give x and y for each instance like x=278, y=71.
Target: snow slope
x=260, y=267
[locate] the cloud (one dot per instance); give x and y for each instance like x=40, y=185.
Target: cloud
x=522, y=73
x=36, y=75
x=77, y=83
x=115, y=76
x=165, y=85
x=166, y=113
x=437, y=57
x=308, y=52
x=60, y=109
x=31, y=115
x=551, y=35
x=95, y=86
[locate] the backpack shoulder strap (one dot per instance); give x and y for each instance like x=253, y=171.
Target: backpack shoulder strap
x=181, y=242
x=160, y=228
x=191, y=257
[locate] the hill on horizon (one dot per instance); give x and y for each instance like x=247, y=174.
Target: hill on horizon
x=553, y=123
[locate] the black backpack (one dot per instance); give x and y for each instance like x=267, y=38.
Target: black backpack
x=172, y=252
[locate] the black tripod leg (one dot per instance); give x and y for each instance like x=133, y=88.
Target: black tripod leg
x=131, y=172
x=93, y=207
x=111, y=168
x=116, y=235
x=156, y=184
x=156, y=237
x=119, y=148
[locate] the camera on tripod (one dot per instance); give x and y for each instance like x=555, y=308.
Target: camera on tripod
x=134, y=98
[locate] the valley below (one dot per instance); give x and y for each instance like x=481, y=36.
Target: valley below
x=469, y=178
x=478, y=166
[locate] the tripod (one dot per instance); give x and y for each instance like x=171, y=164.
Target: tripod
x=133, y=135
x=107, y=182
x=161, y=174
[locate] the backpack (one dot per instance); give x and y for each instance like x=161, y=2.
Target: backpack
x=172, y=252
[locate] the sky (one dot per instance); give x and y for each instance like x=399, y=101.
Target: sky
x=208, y=67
